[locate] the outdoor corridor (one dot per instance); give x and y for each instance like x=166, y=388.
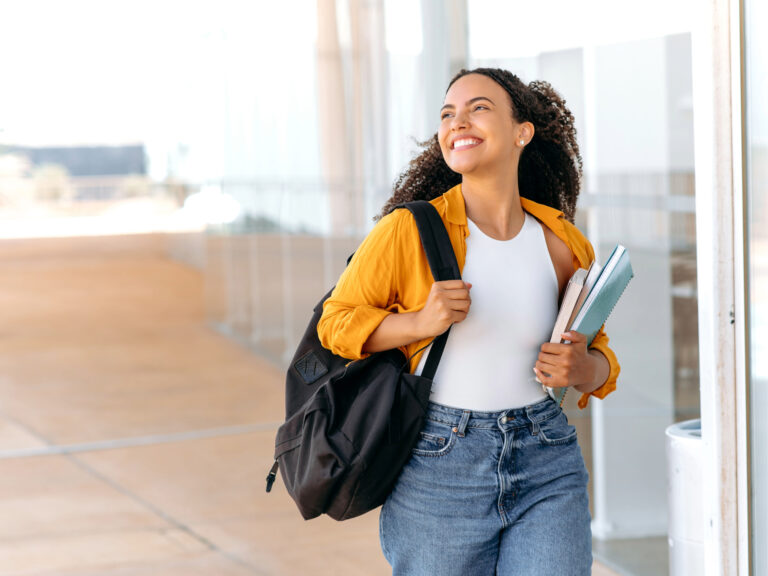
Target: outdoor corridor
x=135, y=440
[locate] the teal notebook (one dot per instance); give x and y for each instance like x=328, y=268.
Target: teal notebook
x=608, y=288
x=599, y=303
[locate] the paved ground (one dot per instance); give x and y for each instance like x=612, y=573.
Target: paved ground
x=134, y=441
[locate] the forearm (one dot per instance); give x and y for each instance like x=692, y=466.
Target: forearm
x=602, y=371
x=394, y=331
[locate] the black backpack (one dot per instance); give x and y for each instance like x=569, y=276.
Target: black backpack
x=351, y=425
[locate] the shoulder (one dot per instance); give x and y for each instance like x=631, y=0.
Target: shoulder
x=403, y=221
x=559, y=251
x=391, y=223
x=400, y=226
x=579, y=244
x=394, y=230
x=396, y=224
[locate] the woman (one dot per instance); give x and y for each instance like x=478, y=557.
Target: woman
x=496, y=483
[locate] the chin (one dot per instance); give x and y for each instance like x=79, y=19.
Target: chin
x=462, y=168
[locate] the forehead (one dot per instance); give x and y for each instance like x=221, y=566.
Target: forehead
x=474, y=86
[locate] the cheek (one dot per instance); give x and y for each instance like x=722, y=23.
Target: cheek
x=441, y=140
x=441, y=132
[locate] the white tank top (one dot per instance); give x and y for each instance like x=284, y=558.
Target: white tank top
x=487, y=364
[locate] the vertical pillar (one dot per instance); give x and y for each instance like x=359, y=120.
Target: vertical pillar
x=332, y=113
x=374, y=75
x=352, y=73
x=722, y=315
x=458, y=36
x=446, y=48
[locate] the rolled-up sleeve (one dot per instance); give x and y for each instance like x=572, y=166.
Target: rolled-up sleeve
x=600, y=343
x=365, y=292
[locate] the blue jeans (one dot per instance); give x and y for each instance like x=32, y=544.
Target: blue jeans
x=488, y=493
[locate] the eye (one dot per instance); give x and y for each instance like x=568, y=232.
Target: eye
x=444, y=115
x=481, y=107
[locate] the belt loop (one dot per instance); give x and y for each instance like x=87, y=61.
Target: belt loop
x=533, y=421
x=462, y=427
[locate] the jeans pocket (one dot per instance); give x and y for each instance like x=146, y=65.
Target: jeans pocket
x=435, y=439
x=556, y=431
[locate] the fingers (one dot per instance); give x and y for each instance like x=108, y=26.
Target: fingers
x=548, y=358
x=452, y=290
x=576, y=339
x=552, y=369
x=457, y=294
x=459, y=308
x=549, y=379
x=560, y=365
x=448, y=303
x=550, y=363
x=453, y=284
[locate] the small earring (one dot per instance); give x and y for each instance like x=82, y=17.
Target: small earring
x=522, y=142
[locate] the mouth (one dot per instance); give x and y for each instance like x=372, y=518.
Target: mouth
x=465, y=143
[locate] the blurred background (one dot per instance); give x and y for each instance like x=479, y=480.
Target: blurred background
x=180, y=183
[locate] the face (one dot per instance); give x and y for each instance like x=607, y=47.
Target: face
x=477, y=131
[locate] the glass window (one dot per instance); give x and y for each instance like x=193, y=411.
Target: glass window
x=757, y=226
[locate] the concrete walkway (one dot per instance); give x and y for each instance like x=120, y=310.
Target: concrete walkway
x=134, y=440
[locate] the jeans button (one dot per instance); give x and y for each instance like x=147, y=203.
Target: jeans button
x=504, y=419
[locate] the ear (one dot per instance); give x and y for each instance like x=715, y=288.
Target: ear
x=526, y=132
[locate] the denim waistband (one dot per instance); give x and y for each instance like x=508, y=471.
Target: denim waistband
x=514, y=417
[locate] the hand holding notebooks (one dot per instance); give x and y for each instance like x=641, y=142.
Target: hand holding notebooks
x=600, y=292
x=575, y=292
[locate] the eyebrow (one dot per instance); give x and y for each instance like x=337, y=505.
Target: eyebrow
x=468, y=102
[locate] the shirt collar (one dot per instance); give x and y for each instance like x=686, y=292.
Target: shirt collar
x=552, y=217
x=455, y=211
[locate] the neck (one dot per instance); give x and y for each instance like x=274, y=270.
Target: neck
x=494, y=205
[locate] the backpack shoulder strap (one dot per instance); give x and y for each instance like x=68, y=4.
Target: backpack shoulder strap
x=442, y=262
x=434, y=238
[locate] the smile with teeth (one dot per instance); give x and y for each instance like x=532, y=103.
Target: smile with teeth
x=465, y=143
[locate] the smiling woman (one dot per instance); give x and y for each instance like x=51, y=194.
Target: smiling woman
x=497, y=459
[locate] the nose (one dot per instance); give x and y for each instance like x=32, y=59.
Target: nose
x=460, y=121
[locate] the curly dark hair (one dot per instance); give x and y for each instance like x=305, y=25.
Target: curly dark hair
x=550, y=165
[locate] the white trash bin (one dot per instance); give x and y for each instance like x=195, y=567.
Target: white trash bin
x=685, y=455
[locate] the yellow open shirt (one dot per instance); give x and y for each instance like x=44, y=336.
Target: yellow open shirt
x=389, y=273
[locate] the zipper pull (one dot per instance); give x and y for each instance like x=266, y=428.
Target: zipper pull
x=271, y=476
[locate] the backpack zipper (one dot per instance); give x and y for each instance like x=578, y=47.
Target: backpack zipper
x=271, y=476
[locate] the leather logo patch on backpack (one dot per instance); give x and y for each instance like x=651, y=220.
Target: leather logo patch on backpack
x=310, y=367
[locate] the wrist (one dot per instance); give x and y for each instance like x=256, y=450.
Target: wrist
x=599, y=369
x=415, y=329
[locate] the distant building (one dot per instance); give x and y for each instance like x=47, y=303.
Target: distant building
x=95, y=172
x=89, y=160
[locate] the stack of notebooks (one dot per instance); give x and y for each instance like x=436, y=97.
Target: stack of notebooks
x=589, y=299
